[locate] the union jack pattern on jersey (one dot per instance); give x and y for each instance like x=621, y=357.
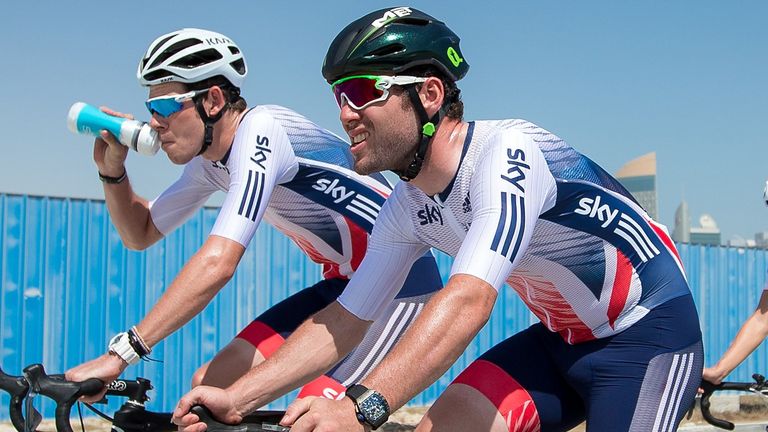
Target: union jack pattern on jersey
x=527, y=209
x=293, y=174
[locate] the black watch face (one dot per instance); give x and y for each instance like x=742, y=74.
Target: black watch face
x=375, y=409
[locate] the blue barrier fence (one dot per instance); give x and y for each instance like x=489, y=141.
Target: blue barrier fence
x=67, y=285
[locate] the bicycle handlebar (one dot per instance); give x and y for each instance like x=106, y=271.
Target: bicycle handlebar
x=757, y=385
x=64, y=393
x=263, y=421
x=130, y=417
x=17, y=388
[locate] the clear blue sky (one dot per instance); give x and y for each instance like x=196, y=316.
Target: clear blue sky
x=616, y=79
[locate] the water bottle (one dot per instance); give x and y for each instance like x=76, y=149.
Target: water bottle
x=136, y=135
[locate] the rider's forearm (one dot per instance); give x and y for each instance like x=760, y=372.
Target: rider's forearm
x=318, y=344
x=749, y=337
x=193, y=288
x=130, y=216
x=436, y=339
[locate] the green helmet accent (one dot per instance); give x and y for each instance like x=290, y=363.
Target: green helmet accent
x=390, y=41
x=428, y=129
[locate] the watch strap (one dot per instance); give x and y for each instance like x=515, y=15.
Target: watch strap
x=355, y=391
x=121, y=345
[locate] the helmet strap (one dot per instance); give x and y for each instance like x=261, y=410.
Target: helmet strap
x=208, y=122
x=428, y=129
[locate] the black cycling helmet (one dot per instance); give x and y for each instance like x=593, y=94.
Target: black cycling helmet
x=390, y=41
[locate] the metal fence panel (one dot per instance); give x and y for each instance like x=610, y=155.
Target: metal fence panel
x=68, y=284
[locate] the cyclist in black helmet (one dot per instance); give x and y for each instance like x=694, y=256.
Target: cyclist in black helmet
x=618, y=343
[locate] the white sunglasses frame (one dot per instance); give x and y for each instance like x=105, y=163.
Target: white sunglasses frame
x=383, y=83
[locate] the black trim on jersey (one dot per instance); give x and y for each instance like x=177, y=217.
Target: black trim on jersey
x=224, y=160
x=512, y=217
x=442, y=196
x=250, y=195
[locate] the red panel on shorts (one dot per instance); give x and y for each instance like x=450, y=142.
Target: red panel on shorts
x=507, y=395
x=260, y=335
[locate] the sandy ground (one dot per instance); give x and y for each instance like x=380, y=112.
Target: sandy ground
x=745, y=409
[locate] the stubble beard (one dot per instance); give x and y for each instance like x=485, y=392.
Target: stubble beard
x=392, y=152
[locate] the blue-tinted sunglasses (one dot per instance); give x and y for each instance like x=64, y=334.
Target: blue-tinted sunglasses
x=165, y=106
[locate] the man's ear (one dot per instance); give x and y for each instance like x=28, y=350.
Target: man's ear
x=217, y=99
x=432, y=94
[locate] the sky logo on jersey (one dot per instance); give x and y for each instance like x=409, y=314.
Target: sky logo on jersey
x=591, y=208
x=251, y=201
x=626, y=227
x=511, y=226
x=515, y=169
x=331, y=187
x=339, y=191
x=262, y=150
x=359, y=205
x=430, y=215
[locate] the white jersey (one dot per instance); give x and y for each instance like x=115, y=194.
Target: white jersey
x=293, y=174
x=527, y=209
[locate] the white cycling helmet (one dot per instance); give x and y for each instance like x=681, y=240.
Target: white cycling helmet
x=191, y=55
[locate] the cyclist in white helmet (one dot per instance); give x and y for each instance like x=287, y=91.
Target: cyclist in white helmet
x=751, y=334
x=273, y=164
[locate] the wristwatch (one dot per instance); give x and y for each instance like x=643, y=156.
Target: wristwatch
x=121, y=346
x=370, y=406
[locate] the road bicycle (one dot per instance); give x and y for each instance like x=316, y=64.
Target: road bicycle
x=132, y=415
x=758, y=386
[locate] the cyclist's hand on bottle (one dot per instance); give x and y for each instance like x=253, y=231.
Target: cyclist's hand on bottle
x=320, y=414
x=218, y=401
x=108, y=153
x=106, y=368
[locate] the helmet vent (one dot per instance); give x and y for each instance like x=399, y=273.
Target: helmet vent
x=413, y=21
x=158, y=74
x=158, y=45
x=233, y=49
x=198, y=59
x=387, y=50
x=173, y=49
x=239, y=66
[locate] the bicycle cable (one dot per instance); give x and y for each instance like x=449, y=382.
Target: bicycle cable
x=80, y=414
x=97, y=412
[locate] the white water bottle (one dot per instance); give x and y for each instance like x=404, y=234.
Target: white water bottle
x=134, y=134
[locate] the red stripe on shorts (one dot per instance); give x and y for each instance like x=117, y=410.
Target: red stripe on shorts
x=505, y=393
x=263, y=337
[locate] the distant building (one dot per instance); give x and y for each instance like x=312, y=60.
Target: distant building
x=682, y=231
x=708, y=233
x=761, y=239
x=639, y=177
x=739, y=241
